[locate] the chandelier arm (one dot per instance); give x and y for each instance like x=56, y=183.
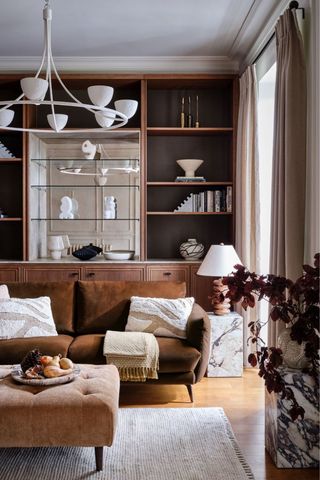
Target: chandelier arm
x=49, y=56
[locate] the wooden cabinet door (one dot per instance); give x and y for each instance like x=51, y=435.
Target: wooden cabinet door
x=9, y=273
x=114, y=272
x=50, y=273
x=178, y=273
x=201, y=288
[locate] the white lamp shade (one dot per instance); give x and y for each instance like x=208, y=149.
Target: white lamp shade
x=6, y=117
x=219, y=261
x=61, y=121
x=100, y=95
x=127, y=107
x=105, y=119
x=34, y=88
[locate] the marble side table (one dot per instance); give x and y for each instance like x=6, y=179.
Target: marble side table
x=293, y=444
x=226, y=357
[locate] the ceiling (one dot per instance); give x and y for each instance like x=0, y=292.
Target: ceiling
x=91, y=29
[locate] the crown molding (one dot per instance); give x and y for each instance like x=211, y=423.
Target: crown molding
x=263, y=36
x=174, y=64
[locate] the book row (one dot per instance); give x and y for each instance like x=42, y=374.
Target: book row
x=208, y=201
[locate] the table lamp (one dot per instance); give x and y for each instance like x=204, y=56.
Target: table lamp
x=219, y=262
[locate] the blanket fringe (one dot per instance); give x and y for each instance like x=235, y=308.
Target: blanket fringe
x=136, y=374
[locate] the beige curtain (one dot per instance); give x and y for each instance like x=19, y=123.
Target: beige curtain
x=289, y=156
x=247, y=186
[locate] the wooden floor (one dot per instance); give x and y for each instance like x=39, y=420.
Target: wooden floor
x=243, y=401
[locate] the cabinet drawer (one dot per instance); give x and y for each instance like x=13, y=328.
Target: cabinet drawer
x=51, y=274
x=172, y=273
x=201, y=288
x=9, y=274
x=114, y=272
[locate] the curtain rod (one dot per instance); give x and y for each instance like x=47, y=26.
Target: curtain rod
x=292, y=5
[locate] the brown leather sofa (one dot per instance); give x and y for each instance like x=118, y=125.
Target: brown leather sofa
x=83, y=311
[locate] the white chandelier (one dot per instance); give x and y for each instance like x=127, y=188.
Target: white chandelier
x=35, y=88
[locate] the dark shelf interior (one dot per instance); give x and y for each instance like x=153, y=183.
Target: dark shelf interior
x=165, y=234
x=11, y=189
x=163, y=151
x=215, y=105
x=11, y=247
x=12, y=141
x=82, y=119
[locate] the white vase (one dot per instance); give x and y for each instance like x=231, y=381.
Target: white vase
x=109, y=211
x=191, y=249
x=293, y=353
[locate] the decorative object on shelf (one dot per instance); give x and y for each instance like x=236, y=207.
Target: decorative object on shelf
x=35, y=88
x=89, y=150
x=182, y=114
x=55, y=246
x=2, y=214
x=190, y=179
x=5, y=152
x=189, y=165
x=109, y=207
x=191, y=249
x=219, y=262
x=189, y=117
x=100, y=180
x=87, y=252
x=226, y=347
x=197, y=123
x=66, y=245
x=294, y=303
x=119, y=255
x=186, y=205
x=66, y=208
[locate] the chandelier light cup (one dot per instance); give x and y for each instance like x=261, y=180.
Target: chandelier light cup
x=34, y=88
x=6, y=117
x=61, y=121
x=189, y=165
x=105, y=119
x=127, y=107
x=100, y=95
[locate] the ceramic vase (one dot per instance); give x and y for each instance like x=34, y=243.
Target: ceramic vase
x=191, y=249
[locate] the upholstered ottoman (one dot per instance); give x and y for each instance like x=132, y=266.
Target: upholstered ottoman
x=80, y=413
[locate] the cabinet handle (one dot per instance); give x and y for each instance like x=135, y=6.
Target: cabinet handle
x=167, y=274
x=74, y=274
x=91, y=274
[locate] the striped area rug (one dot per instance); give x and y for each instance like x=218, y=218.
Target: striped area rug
x=150, y=444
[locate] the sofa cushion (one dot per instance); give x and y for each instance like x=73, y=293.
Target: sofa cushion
x=12, y=351
x=62, y=299
x=161, y=316
x=175, y=355
x=104, y=305
x=26, y=317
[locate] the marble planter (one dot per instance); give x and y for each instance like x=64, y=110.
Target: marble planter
x=226, y=355
x=293, y=444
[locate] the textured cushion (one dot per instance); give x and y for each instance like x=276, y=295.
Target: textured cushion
x=161, y=316
x=26, y=317
x=62, y=295
x=4, y=292
x=104, y=305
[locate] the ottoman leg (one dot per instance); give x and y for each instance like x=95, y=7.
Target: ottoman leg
x=99, y=458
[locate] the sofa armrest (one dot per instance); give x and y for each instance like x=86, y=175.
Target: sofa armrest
x=198, y=335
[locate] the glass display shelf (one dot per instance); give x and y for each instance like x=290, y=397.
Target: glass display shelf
x=83, y=162
x=110, y=185
x=84, y=219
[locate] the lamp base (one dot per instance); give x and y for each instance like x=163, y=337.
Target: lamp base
x=220, y=308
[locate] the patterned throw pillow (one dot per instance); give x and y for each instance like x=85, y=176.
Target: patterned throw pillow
x=4, y=292
x=161, y=316
x=26, y=317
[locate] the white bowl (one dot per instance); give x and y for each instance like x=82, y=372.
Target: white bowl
x=6, y=117
x=61, y=121
x=189, y=165
x=119, y=255
x=34, y=88
x=127, y=107
x=100, y=95
x=105, y=119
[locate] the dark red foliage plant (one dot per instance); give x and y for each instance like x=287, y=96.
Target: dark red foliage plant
x=294, y=303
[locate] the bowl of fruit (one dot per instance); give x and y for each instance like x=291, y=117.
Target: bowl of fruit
x=38, y=369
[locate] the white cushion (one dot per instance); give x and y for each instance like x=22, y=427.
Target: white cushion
x=26, y=317
x=161, y=316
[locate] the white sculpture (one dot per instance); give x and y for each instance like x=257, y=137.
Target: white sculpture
x=66, y=208
x=89, y=149
x=55, y=246
x=109, y=210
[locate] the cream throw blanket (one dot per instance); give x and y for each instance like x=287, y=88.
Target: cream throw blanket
x=135, y=354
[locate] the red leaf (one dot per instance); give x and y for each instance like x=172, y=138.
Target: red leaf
x=252, y=360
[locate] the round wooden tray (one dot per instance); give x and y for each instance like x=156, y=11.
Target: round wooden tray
x=18, y=375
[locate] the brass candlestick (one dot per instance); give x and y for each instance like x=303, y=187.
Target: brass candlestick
x=189, y=113
x=197, y=124
x=182, y=114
